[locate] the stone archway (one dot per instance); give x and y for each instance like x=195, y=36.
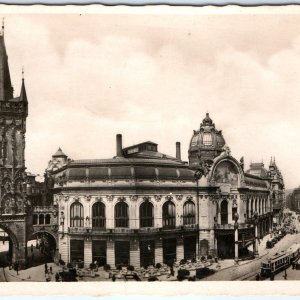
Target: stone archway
x=9, y=249
x=42, y=247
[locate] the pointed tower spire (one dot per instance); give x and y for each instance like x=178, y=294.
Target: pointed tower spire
x=6, y=89
x=23, y=95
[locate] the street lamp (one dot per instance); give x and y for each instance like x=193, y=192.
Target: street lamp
x=236, y=238
x=255, y=216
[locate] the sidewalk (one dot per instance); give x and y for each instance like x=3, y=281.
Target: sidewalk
x=36, y=274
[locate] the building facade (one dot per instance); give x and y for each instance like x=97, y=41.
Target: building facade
x=143, y=207
x=13, y=200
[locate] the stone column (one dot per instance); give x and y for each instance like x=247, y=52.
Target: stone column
x=134, y=253
x=158, y=251
x=179, y=249
x=88, y=258
x=110, y=253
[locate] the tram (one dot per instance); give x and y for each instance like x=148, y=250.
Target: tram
x=280, y=261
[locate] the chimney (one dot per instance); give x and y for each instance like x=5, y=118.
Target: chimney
x=119, y=145
x=178, y=152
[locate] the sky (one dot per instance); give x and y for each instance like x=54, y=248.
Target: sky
x=154, y=77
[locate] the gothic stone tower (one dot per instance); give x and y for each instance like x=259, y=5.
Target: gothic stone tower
x=13, y=114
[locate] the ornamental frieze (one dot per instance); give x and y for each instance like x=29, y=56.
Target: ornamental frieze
x=189, y=198
x=121, y=199
x=98, y=199
x=179, y=197
x=146, y=198
x=110, y=197
x=157, y=197
x=88, y=198
x=133, y=197
x=169, y=197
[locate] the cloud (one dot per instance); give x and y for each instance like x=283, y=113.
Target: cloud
x=91, y=77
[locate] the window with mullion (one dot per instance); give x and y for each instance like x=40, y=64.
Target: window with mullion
x=121, y=214
x=146, y=214
x=98, y=215
x=76, y=215
x=189, y=213
x=169, y=219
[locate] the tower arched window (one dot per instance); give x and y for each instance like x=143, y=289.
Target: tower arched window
x=41, y=219
x=34, y=219
x=169, y=215
x=189, y=215
x=121, y=214
x=146, y=214
x=47, y=219
x=98, y=215
x=224, y=212
x=76, y=215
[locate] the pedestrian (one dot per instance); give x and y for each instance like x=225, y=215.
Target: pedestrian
x=257, y=277
x=272, y=276
x=172, y=271
x=50, y=269
x=113, y=278
x=17, y=267
x=31, y=248
x=56, y=277
x=46, y=268
x=285, y=275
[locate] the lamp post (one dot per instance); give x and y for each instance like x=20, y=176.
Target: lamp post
x=198, y=175
x=255, y=216
x=236, y=238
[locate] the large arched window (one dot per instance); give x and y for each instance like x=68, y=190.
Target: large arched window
x=146, y=214
x=76, y=215
x=189, y=213
x=121, y=214
x=168, y=214
x=224, y=212
x=252, y=211
x=98, y=215
x=255, y=205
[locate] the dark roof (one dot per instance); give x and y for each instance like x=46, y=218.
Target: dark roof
x=59, y=153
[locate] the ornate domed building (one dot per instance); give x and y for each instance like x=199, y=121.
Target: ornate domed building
x=143, y=207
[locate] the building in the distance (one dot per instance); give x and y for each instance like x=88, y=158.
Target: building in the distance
x=293, y=200
x=143, y=207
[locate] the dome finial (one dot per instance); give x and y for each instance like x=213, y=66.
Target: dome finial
x=22, y=72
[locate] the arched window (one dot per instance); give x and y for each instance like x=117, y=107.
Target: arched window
x=121, y=214
x=207, y=139
x=47, y=219
x=41, y=219
x=146, y=214
x=189, y=213
x=76, y=216
x=224, y=212
x=255, y=205
x=98, y=215
x=168, y=214
x=34, y=219
x=259, y=206
x=252, y=211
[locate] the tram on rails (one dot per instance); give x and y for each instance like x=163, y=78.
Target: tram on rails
x=280, y=261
